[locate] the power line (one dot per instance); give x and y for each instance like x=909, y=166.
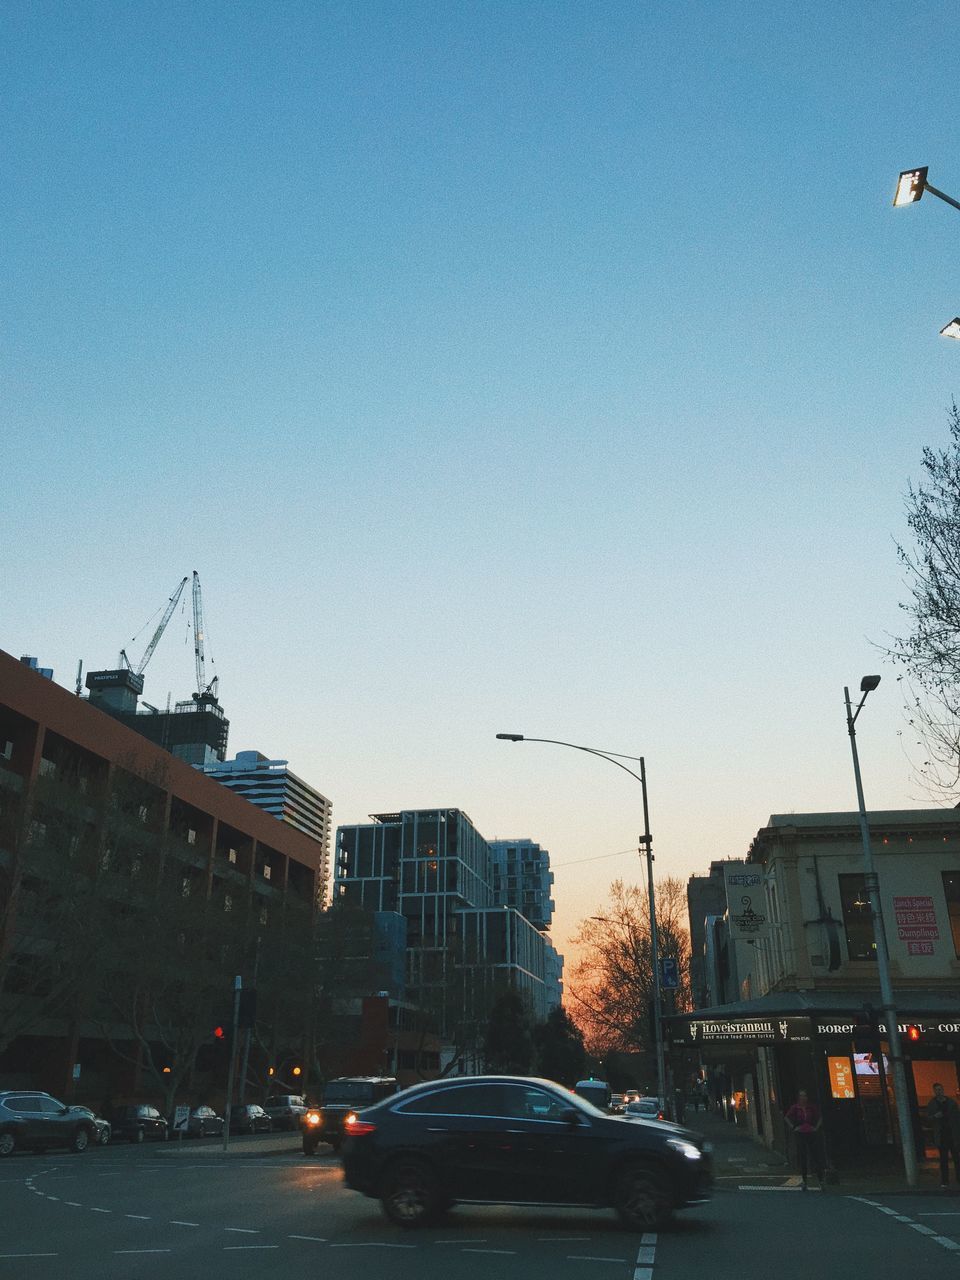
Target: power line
x=596, y=858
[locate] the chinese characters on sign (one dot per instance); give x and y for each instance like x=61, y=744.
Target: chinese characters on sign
x=916, y=924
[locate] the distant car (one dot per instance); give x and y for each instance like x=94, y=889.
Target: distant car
x=517, y=1140
x=644, y=1109
x=341, y=1097
x=103, y=1127
x=36, y=1121
x=617, y=1103
x=204, y=1122
x=632, y=1095
x=138, y=1122
x=285, y=1110
x=595, y=1091
x=249, y=1118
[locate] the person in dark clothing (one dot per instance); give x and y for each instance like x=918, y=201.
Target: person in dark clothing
x=804, y=1119
x=945, y=1114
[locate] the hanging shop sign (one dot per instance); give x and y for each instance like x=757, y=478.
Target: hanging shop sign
x=746, y=903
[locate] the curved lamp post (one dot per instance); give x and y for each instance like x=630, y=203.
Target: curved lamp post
x=646, y=847
x=872, y=883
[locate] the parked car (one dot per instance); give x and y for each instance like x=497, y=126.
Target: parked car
x=516, y=1140
x=204, y=1122
x=644, y=1109
x=595, y=1091
x=340, y=1097
x=249, y=1118
x=36, y=1121
x=137, y=1122
x=103, y=1127
x=617, y=1103
x=285, y=1110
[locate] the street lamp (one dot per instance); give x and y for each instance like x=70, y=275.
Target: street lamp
x=911, y=185
x=646, y=846
x=872, y=883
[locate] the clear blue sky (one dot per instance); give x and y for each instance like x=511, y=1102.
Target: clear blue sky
x=549, y=367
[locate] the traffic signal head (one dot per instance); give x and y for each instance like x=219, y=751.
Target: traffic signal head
x=297, y=1071
x=913, y=1033
x=218, y=1033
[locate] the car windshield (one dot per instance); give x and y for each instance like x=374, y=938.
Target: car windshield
x=348, y=1091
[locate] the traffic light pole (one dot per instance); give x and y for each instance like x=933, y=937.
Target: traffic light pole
x=872, y=884
x=234, y=1032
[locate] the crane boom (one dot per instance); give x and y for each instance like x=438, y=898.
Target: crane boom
x=198, y=633
x=167, y=615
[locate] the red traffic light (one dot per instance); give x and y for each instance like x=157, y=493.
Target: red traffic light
x=913, y=1032
x=218, y=1033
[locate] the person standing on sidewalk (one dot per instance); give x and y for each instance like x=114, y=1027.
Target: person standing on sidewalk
x=945, y=1114
x=805, y=1121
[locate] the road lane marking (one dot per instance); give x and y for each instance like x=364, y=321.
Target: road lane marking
x=590, y=1257
x=177, y=1222
x=140, y=1217
x=376, y=1244
x=645, y=1255
x=918, y=1226
x=750, y=1187
x=143, y=1251
x=648, y=1237
x=74, y=1203
x=29, y=1255
x=559, y=1239
x=235, y=1248
x=947, y=1242
x=244, y=1231
x=509, y=1253
x=93, y=1209
x=643, y=1273
x=318, y=1239
x=951, y=1214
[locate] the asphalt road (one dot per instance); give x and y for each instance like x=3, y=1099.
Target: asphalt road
x=129, y=1212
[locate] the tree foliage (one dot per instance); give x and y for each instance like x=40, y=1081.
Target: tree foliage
x=929, y=651
x=560, y=1054
x=612, y=984
x=508, y=1042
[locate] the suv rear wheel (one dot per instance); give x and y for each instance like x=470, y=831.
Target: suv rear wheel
x=641, y=1199
x=409, y=1194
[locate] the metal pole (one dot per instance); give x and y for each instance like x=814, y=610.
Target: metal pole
x=646, y=843
x=872, y=883
x=646, y=847
x=237, y=987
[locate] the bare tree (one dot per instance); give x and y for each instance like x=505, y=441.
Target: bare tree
x=929, y=652
x=611, y=987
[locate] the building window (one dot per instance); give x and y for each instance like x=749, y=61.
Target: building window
x=951, y=891
x=857, y=918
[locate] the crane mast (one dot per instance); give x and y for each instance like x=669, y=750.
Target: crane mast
x=167, y=615
x=203, y=689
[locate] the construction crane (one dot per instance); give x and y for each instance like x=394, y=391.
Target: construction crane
x=204, y=690
x=155, y=640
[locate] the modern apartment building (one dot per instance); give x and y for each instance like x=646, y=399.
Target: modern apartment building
x=436, y=870
x=270, y=785
x=522, y=879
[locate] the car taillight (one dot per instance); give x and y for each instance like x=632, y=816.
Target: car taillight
x=354, y=1126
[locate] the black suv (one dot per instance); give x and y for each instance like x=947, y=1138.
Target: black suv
x=516, y=1140
x=340, y=1098
x=137, y=1122
x=36, y=1121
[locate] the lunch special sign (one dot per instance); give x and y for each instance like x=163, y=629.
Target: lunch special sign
x=917, y=925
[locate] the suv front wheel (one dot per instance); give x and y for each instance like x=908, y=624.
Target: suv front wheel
x=81, y=1140
x=7, y=1144
x=641, y=1199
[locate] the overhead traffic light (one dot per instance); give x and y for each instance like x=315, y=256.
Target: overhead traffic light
x=914, y=1033
x=219, y=1033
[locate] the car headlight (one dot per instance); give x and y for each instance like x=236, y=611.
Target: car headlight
x=312, y=1117
x=685, y=1148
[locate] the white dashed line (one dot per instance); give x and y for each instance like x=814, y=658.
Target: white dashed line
x=918, y=1226
x=947, y=1242
x=143, y=1251
x=244, y=1231
x=29, y=1255
x=235, y=1248
x=508, y=1253
x=94, y=1210
x=321, y=1239
x=176, y=1222
x=645, y=1255
x=944, y=1241
x=140, y=1217
x=648, y=1237
x=643, y=1273
x=589, y=1257
x=375, y=1244
x=75, y=1204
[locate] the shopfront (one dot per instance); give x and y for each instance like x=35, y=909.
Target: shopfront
x=842, y=1060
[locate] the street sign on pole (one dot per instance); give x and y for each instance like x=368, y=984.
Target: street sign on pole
x=669, y=973
x=181, y=1118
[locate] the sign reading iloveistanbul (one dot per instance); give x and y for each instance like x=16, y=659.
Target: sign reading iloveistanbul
x=752, y=1030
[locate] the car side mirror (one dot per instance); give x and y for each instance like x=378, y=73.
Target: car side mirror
x=572, y=1117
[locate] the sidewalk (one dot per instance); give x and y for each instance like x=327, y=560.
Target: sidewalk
x=740, y=1159
x=260, y=1145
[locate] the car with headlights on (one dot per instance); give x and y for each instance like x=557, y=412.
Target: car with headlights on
x=520, y=1141
x=341, y=1097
